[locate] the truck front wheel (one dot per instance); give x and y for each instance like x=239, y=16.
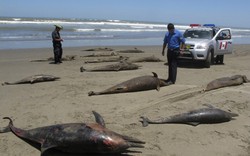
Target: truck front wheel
x=210, y=59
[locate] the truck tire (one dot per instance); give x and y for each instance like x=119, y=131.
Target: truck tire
x=210, y=58
x=220, y=59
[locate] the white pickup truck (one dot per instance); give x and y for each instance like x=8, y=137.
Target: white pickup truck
x=207, y=43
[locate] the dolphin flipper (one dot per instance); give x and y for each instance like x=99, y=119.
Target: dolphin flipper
x=193, y=123
x=46, y=146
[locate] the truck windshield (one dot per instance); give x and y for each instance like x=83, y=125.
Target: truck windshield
x=203, y=34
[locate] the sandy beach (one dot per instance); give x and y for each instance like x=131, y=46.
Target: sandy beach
x=67, y=101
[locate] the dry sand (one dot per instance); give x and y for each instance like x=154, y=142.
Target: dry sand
x=67, y=100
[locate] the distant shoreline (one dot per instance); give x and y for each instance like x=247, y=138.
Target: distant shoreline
x=238, y=47
x=36, y=32
x=49, y=46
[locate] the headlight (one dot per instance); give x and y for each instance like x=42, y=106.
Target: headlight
x=201, y=47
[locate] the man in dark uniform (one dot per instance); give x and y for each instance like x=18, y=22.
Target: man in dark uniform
x=175, y=42
x=57, y=45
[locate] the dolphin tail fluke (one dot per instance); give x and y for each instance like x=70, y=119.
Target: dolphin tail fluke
x=11, y=122
x=6, y=83
x=91, y=93
x=7, y=128
x=82, y=69
x=245, y=79
x=144, y=121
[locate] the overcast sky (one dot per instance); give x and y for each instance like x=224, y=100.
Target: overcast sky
x=233, y=13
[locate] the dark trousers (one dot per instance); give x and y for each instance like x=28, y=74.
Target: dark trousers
x=57, y=52
x=172, y=64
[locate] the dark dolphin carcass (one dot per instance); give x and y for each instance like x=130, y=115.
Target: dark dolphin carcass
x=77, y=138
x=101, y=54
x=110, y=59
x=135, y=50
x=145, y=59
x=133, y=85
x=33, y=79
x=226, y=81
x=122, y=65
x=194, y=117
x=99, y=49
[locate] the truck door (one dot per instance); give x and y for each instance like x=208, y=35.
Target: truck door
x=224, y=42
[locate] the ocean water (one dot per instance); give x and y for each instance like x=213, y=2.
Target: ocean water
x=36, y=32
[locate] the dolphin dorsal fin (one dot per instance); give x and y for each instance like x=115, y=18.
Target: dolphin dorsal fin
x=99, y=119
x=155, y=75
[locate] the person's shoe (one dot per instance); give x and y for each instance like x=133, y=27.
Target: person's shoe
x=169, y=83
x=57, y=62
x=60, y=62
x=167, y=80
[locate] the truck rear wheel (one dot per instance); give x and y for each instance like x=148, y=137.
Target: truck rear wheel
x=219, y=59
